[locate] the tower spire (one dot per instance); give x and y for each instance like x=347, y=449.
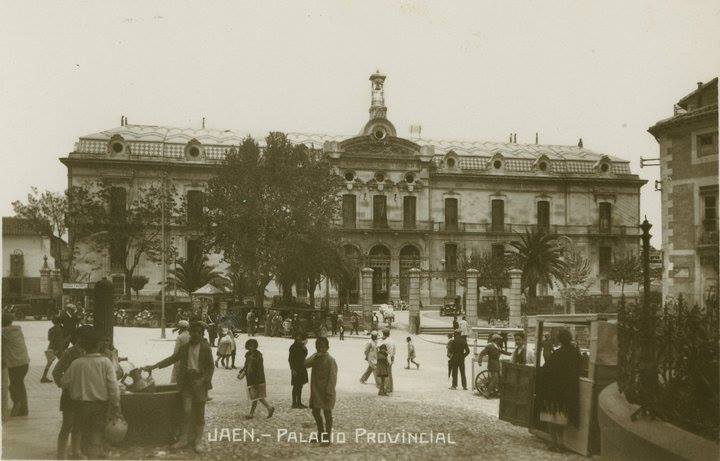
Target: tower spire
x=377, y=93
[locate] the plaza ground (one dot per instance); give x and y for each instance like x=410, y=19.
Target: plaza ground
x=421, y=402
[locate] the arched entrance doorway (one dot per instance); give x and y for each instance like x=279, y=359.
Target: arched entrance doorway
x=379, y=261
x=409, y=258
x=350, y=288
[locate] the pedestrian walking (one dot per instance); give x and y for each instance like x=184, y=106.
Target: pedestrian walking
x=298, y=373
x=323, y=380
x=92, y=384
x=15, y=357
x=254, y=373
x=250, y=323
x=341, y=330
x=57, y=342
x=194, y=380
x=183, y=338
x=390, y=345
x=334, y=323
x=464, y=328
x=225, y=349
x=383, y=369
x=370, y=358
x=411, y=353
x=459, y=351
x=355, y=324
x=69, y=407
x=455, y=324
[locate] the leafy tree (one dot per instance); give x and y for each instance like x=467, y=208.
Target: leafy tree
x=137, y=283
x=626, y=270
x=271, y=213
x=102, y=216
x=193, y=273
x=539, y=257
x=46, y=212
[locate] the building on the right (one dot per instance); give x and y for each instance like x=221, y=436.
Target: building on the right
x=689, y=186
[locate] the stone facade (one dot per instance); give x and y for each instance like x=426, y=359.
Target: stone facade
x=688, y=144
x=409, y=203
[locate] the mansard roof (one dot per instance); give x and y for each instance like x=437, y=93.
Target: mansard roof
x=170, y=142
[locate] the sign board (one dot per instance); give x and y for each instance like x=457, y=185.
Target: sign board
x=75, y=286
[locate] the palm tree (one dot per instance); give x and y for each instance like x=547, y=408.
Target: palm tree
x=193, y=273
x=539, y=257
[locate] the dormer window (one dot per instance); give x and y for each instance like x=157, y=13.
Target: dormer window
x=542, y=166
x=117, y=145
x=497, y=164
x=604, y=167
x=451, y=163
x=194, y=150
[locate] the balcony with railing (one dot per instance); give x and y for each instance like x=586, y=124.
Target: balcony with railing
x=489, y=228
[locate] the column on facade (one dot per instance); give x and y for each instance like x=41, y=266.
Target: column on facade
x=366, y=282
x=394, y=281
x=515, y=298
x=414, y=300
x=471, y=296
x=425, y=284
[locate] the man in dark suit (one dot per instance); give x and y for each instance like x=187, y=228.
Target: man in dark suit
x=195, y=371
x=296, y=358
x=459, y=350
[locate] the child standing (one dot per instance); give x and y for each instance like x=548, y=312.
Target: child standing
x=411, y=354
x=225, y=347
x=56, y=346
x=383, y=369
x=92, y=383
x=254, y=371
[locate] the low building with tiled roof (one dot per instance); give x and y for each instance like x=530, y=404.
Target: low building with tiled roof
x=409, y=202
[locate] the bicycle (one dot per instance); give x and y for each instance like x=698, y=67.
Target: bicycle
x=483, y=385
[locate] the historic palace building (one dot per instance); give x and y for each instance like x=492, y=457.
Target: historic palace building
x=689, y=170
x=406, y=202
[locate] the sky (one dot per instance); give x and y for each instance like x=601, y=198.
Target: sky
x=478, y=70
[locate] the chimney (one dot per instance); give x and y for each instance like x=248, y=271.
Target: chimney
x=416, y=131
x=122, y=120
x=580, y=143
x=203, y=125
x=510, y=140
x=699, y=84
x=536, y=137
x=515, y=138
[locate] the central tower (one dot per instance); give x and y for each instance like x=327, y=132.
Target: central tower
x=378, y=126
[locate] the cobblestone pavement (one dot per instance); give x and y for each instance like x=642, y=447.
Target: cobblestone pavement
x=421, y=403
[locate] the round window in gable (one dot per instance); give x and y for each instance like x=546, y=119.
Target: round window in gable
x=194, y=151
x=604, y=167
x=497, y=164
x=451, y=163
x=379, y=134
x=117, y=147
x=543, y=166
x=349, y=176
x=379, y=177
x=409, y=178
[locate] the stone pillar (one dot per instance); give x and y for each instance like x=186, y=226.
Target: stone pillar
x=425, y=290
x=515, y=297
x=414, y=300
x=45, y=281
x=366, y=282
x=394, y=282
x=56, y=281
x=471, y=296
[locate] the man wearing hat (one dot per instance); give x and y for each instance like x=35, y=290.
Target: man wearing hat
x=195, y=372
x=458, y=351
x=370, y=357
x=390, y=346
x=183, y=338
x=493, y=351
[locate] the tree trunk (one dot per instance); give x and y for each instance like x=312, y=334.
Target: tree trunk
x=286, y=292
x=311, y=284
x=128, y=289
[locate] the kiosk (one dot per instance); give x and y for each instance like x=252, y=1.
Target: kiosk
x=518, y=383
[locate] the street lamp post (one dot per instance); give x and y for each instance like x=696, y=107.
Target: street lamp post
x=164, y=266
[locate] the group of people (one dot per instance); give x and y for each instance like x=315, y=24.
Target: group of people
x=194, y=364
x=380, y=358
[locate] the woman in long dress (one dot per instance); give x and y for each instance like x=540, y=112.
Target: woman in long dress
x=254, y=372
x=558, y=390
